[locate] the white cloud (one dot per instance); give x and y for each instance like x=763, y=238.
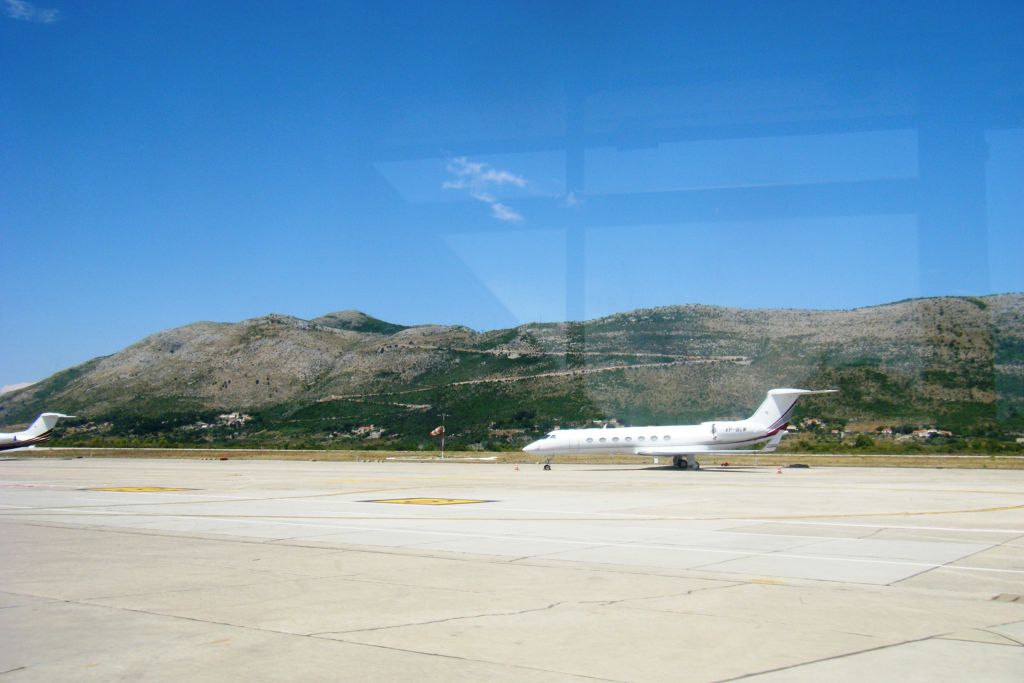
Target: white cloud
x=505, y=213
x=475, y=177
x=462, y=166
x=26, y=11
x=502, y=178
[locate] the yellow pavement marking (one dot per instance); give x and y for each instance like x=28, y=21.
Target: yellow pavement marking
x=139, y=489
x=428, y=501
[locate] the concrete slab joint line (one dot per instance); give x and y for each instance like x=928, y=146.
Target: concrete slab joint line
x=336, y=640
x=981, y=635
x=483, y=615
x=844, y=655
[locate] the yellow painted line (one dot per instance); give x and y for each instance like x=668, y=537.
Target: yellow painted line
x=139, y=489
x=218, y=642
x=768, y=582
x=428, y=501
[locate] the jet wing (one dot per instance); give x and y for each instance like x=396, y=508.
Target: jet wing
x=772, y=444
x=693, y=450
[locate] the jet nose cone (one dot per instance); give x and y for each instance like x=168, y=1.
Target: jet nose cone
x=530, y=447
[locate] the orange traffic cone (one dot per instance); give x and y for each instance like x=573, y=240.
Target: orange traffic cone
x=779, y=471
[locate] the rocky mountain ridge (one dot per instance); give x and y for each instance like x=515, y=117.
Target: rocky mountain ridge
x=954, y=360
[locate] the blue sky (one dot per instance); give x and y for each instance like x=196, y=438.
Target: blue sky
x=491, y=164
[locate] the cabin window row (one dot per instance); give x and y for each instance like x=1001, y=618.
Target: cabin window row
x=615, y=439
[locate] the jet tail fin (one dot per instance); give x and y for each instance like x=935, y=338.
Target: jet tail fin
x=778, y=406
x=43, y=425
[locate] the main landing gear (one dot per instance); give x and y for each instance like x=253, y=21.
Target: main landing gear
x=684, y=463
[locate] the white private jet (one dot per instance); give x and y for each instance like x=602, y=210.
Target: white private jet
x=38, y=433
x=683, y=442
